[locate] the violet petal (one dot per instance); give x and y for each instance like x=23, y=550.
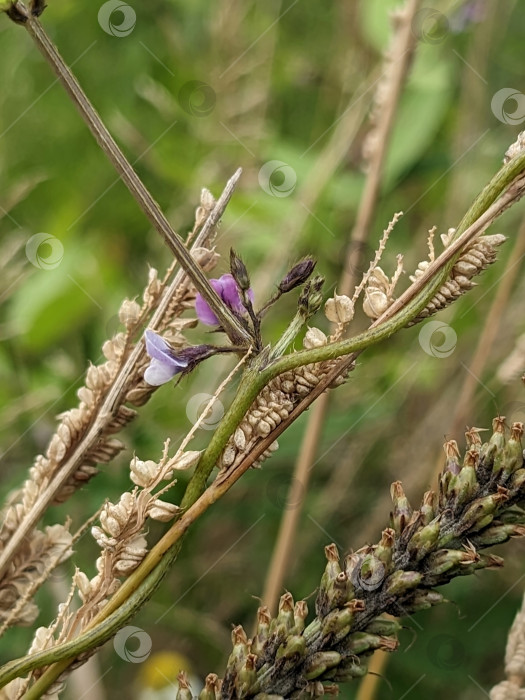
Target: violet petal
x=158, y=372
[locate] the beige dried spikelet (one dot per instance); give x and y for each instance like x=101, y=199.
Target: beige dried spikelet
x=44, y=551
x=476, y=257
x=379, y=290
x=73, y=444
x=274, y=404
x=339, y=309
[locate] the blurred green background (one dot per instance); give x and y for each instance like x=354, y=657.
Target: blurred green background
x=286, y=81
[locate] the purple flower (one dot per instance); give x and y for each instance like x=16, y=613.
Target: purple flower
x=226, y=287
x=164, y=363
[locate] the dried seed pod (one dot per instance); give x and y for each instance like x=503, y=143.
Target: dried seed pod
x=162, y=511
x=129, y=313
x=478, y=255
x=314, y=338
x=339, y=309
x=142, y=473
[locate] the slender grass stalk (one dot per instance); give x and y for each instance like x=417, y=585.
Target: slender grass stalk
x=230, y=324
x=400, y=62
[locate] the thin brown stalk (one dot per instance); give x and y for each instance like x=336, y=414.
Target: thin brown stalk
x=400, y=60
x=231, y=326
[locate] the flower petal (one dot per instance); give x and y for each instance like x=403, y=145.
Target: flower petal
x=159, y=372
x=203, y=311
x=226, y=288
x=156, y=347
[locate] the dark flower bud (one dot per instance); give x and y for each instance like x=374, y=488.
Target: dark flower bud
x=239, y=272
x=299, y=273
x=311, y=298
